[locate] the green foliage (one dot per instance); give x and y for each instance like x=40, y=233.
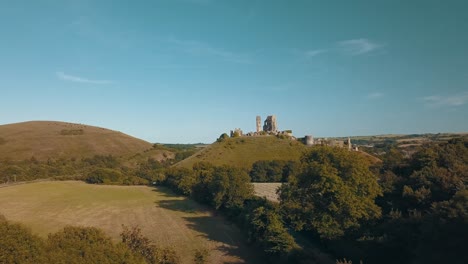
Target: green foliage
x=222, y=187
x=223, y=137
x=273, y=171
x=266, y=228
x=180, y=180
x=433, y=174
x=444, y=232
x=19, y=245
x=335, y=192
x=151, y=169
x=104, y=175
x=70, y=245
x=229, y=187
x=181, y=155
x=139, y=244
x=102, y=161
x=86, y=245
x=425, y=208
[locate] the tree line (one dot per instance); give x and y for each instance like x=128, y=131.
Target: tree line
x=83, y=245
x=407, y=209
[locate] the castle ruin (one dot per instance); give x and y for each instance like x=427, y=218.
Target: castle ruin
x=259, y=124
x=270, y=124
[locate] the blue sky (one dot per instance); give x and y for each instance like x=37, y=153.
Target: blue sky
x=188, y=70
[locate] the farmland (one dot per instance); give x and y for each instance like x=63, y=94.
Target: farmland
x=165, y=218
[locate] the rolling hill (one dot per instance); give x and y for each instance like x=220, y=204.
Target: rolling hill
x=244, y=151
x=51, y=139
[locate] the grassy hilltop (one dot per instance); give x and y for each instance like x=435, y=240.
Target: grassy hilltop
x=244, y=151
x=51, y=139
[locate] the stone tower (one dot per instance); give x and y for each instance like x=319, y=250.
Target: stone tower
x=350, y=147
x=270, y=124
x=259, y=124
x=309, y=140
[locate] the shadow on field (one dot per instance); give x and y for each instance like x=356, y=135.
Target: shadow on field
x=216, y=229
x=184, y=205
x=165, y=192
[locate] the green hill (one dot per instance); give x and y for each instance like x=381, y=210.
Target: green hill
x=244, y=151
x=50, y=139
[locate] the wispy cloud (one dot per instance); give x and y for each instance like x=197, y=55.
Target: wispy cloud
x=71, y=78
x=358, y=46
x=375, y=95
x=448, y=100
x=316, y=52
x=199, y=48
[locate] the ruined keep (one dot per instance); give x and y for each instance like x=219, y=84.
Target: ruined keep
x=309, y=140
x=259, y=124
x=270, y=124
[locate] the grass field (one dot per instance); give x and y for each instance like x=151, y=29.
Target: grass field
x=244, y=151
x=267, y=189
x=165, y=218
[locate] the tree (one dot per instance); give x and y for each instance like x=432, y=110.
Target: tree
x=229, y=187
x=444, y=232
x=273, y=170
x=141, y=245
x=204, y=174
x=223, y=137
x=180, y=180
x=258, y=173
x=266, y=228
x=87, y=245
x=19, y=245
x=334, y=192
x=105, y=175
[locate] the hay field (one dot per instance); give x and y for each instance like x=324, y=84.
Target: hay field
x=267, y=189
x=165, y=218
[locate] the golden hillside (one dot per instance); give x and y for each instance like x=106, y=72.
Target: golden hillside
x=50, y=139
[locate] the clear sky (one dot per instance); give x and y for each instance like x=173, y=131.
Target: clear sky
x=178, y=71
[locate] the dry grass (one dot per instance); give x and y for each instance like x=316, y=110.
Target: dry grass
x=166, y=219
x=45, y=139
x=244, y=151
x=267, y=189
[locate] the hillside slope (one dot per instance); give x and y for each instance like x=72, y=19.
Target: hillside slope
x=50, y=139
x=244, y=151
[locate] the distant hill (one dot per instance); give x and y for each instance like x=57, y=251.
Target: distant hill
x=244, y=151
x=50, y=139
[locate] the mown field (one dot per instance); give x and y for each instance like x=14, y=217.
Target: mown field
x=165, y=218
x=267, y=190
